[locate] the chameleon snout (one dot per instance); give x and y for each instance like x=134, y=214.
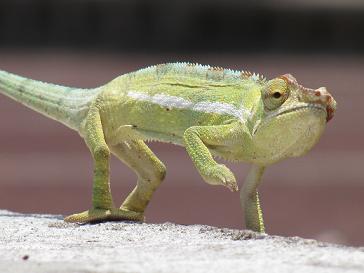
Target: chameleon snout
x=328, y=100
x=323, y=97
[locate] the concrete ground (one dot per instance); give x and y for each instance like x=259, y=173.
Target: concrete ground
x=44, y=243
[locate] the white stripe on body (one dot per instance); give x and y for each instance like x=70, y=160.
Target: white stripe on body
x=181, y=103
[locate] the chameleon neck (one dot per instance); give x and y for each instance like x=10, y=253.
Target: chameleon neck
x=64, y=104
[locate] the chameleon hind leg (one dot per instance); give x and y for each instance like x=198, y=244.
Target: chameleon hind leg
x=148, y=168
x=102, y=204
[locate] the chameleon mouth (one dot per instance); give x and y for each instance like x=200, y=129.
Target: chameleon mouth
x=303, y=107
x=310, y=107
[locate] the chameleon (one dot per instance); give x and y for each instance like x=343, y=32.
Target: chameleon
x=211, y=111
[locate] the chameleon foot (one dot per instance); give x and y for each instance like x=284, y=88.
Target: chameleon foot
x=102, y=215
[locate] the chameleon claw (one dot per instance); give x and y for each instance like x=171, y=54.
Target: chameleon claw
x=221, y=175
x=233, y=187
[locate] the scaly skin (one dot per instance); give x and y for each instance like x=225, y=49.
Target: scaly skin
x=211, y=111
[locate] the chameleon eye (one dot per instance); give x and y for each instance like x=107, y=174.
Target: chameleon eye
x=275, y=93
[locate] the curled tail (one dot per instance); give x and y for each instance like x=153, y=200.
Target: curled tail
x=64, y=104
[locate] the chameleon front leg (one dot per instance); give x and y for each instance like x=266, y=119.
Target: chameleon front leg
x=198, y=138
x=249, y=199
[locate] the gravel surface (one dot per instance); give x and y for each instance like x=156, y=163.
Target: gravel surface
x=44, y=243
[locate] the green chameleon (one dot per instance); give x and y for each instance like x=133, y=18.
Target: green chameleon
x=211, y=111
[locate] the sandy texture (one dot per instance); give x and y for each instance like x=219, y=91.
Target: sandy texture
x=44, y=243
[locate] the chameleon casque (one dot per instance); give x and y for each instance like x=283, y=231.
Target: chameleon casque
x=211, y=111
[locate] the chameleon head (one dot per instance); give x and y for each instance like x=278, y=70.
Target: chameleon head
x=293, y=119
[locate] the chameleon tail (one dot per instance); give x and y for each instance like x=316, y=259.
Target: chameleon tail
x=64, y=104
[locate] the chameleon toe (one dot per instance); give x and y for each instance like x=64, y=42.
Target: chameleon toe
x=124, y=214
x=93, y=215
x=101, y=215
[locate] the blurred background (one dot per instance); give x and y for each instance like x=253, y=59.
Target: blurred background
x=46, y=168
